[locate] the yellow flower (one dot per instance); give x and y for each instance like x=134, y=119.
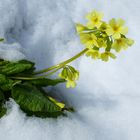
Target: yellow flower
x=122, y=43
x=70, y=74
x=70, y=84
x=75, y=73
x=105, y=56
x=93, y=53
x=89, y=40
x=116, y=28
x=80, y=28
x=94, y=19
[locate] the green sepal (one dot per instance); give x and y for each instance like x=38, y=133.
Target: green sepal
x=109, y=42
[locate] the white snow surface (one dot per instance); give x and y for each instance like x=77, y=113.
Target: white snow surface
x=107, y=97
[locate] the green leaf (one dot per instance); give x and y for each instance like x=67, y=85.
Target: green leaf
x=46, y=82
x=1, y=97
x=3, y=79
x=6, y=84
x=2, y=111
x=9, y=84
x=3, y=62
x=16, y=67
x=34, y=102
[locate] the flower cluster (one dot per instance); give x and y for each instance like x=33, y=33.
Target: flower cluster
x=70, y=74
x=101, y=38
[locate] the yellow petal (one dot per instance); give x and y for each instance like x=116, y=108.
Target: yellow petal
x=70, y=84
x=89, y=16
x=101, y=15
x=116, y=35
x=94, y=36
x=109, y=31
x=104, y=57
x=90, y=25
x=80, y=28
x=112, y=22
x=124, y=30
x=84, y=38
x=121, y=22
x=130, y=42
x=112, y=55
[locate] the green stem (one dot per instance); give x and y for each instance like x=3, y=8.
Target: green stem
x=62, y=64
x=25, y=78
x=38, y=77
x=53, y=69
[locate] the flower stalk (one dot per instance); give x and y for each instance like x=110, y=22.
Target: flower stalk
x=53, y=69
x=62, y=64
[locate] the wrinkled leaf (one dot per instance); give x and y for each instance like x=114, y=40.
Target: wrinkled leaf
x=34, y=102
x=16, y=67
x=9, y=84
x=6, y=84
x=3, y=79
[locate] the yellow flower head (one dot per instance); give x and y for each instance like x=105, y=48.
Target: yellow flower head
x=100, y=37
x=122, y=43
x=105, y=56
x=116, y=28
x=93, y=54
x=89, y=40
x=94, y=19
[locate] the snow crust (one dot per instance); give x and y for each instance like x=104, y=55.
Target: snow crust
x=107, y=97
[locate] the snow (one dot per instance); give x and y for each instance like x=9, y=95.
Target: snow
x=107, y=97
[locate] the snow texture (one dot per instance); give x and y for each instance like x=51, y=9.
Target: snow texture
x=107, y=97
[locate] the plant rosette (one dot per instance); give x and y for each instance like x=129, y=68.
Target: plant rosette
x=21, y=82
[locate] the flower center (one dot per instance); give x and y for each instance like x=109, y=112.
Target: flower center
x=116, y=28
x=119, y=41
x=96, y=20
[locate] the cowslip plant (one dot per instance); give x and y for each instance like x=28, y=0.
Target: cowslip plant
x=21, y=82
